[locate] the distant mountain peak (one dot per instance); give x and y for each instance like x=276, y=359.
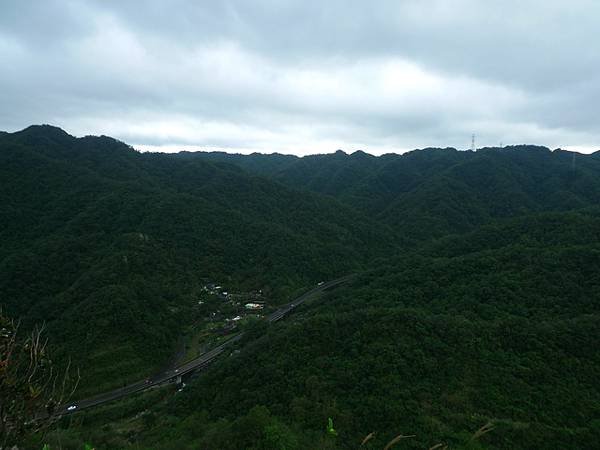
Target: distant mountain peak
x=361, y=154
x=44, y=129
x=524, y=147
x=38, y=134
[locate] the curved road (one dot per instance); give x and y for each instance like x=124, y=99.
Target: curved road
x=196, y=364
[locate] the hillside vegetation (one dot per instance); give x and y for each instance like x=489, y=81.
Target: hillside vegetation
x=476, y=300
x=433, y=192
x=501, y=326
x=110, y=246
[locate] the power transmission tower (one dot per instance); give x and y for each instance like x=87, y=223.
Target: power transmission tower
x=473, y=142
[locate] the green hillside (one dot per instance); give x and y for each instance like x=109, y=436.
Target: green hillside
x=476, y=299
x=110, y=246
x=432, y=192
x=500, y=326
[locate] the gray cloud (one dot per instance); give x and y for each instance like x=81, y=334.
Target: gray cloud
x=303, y=76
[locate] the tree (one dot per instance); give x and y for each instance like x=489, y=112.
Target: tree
x=31, y=385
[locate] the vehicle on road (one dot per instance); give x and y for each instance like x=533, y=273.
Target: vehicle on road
x=320, y=283
x=199, y=363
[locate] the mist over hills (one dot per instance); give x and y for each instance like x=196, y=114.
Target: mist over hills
x=477, y=297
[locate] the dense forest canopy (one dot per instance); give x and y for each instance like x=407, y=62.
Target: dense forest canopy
x=476, y=299
x=433, y=192
x=109, y=246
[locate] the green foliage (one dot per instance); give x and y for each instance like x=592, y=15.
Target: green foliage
x=110, y=246
x=491, y=326
x=432, y=192
x=330, y=428
x=475, y=322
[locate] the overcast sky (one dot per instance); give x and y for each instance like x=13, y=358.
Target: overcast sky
x=305, y=76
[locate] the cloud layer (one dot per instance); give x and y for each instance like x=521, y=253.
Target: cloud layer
x=305, y=76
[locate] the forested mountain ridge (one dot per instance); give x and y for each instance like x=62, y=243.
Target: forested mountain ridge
x=498, y=326
x=428, y=193
x=476, y=298
x=109, y=246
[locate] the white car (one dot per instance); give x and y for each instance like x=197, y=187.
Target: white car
x=71, y=408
